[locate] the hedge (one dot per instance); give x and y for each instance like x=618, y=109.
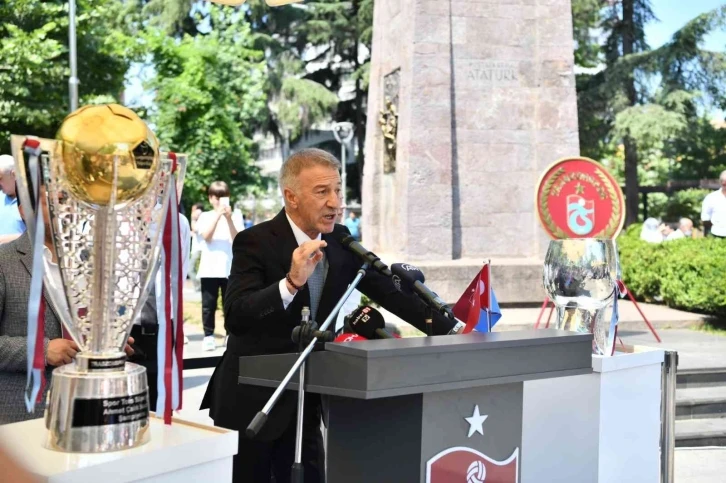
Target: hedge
x=687, y=274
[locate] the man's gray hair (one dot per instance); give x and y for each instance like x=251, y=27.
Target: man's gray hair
x=722, y=176
x=7, y=163
x=302, y=159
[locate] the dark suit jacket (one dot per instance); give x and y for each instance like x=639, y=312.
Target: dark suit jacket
x=258, y=324
x=16, y=263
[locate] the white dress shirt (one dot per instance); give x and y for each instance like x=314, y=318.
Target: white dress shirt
x=714, y=210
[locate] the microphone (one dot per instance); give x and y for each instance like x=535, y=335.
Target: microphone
x=306, y=333
x=368, y=322
x=409, y=279
x=365, y=255
x=349, y=338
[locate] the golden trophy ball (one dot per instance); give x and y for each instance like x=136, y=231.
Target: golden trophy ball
x=101, y=142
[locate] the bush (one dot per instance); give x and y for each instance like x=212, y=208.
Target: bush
x=686, y=274
x=682, y=204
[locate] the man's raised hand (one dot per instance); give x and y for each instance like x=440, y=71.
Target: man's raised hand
x=304, y=259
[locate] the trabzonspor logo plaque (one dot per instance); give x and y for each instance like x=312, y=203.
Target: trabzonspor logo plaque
x=578, y=198
x=467, y=465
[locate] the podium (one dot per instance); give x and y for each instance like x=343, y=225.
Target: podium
x=430, y=409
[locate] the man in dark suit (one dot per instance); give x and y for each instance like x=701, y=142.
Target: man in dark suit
x=278, y=267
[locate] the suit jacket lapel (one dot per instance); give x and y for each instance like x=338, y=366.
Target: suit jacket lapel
x=26, y=258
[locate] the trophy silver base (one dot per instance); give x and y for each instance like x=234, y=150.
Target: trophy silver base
x=587, y=321
x=97, y=411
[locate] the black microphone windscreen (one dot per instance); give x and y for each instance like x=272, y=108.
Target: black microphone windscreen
x=343, y=237
x=365, y=320
x=405, y=276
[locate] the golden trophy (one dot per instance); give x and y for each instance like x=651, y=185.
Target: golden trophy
x=107, y=189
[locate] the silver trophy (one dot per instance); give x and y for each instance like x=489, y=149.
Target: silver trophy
x=106, y=187
x=580, y=277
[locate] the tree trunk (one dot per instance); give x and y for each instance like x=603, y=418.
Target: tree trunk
x=631, y=182
x=360, y=128
x=631, y=151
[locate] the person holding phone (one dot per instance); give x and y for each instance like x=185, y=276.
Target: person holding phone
x=218, y=229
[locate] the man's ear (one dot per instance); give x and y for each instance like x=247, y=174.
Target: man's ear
x=290, y=198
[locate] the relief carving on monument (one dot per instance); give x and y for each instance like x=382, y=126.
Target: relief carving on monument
x=388, y=119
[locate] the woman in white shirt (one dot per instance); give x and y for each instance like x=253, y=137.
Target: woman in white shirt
x=218, y=229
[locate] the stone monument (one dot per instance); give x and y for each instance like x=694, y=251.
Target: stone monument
x=469, y=102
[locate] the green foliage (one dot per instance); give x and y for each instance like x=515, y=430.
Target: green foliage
x=685, y=274
x=34, y=61
x=686, y=204
x=331, y=41
x=681, y=204
x=171, y=16
x=585, y=15
x=651, y=107
x=641, y=263
x=209, y=100
x=296, y=103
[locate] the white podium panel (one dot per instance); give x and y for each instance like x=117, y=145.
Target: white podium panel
x=182, y=452
x=601, y=427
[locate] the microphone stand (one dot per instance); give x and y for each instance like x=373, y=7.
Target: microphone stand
x=261, y=417
x=297, y=471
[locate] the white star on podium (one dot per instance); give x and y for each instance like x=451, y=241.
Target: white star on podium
x=476, y=422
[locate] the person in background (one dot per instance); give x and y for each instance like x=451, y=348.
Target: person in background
x=248, y=220
x=685, y=225
x=353, y=225
x=713, y=210
x=11, y=224
x=197, y=241
x=651, y=231
x=16, y=265
x=217, y=229
x=685, y=230
x=145, y=330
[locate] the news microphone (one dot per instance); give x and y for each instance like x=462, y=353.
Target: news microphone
x=306, y=333
x=365, y=255
x=349, y=338
x=368, y=322
x=409, y=279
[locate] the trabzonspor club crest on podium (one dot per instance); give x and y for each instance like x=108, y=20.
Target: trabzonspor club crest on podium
x=578, y=198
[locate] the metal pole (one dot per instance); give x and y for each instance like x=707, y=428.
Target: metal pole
x=297, y=472
x=259, y=420
x=73, y=80
x=668, y=417
x=344, y=177
x=343, y=132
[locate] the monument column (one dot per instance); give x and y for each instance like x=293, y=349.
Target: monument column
x=468, y=103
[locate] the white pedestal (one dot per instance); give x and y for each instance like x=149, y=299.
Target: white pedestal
x=182, y=452
x=601, y=427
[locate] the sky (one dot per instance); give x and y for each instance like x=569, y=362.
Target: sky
x=674, y=14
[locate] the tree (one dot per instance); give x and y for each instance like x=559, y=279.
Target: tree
x=312, y=50
x=34, y=64
x=644, y=100
x=342, y=32
x=210, y=101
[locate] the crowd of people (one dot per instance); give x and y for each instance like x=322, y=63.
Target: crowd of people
x=713, y=218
